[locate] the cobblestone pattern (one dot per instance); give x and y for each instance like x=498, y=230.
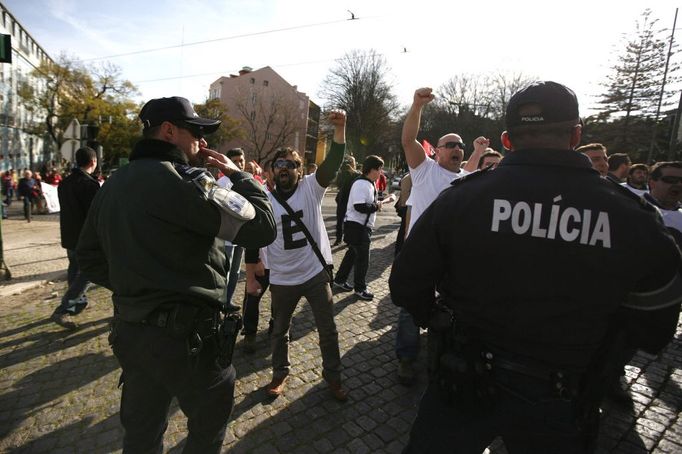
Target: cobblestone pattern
x=58, y=390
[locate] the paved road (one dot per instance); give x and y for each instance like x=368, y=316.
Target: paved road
x=58, y=389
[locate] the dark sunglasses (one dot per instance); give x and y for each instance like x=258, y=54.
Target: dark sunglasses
x=452, y=145
x=669, y=179
x=285, y=163
x=196, y=131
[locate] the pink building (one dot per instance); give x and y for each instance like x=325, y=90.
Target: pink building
x=273, y=113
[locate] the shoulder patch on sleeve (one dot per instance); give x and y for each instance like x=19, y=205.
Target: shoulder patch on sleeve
x=228, y=201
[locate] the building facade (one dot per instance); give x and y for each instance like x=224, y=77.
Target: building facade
x=19, y=147
x=272, y=112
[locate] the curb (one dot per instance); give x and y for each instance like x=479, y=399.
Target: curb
x=21, y=287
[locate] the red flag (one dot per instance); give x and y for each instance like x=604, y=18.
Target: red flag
x=429, y=150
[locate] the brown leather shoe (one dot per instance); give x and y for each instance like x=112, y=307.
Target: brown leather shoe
x=276, y=387
x=338, y=392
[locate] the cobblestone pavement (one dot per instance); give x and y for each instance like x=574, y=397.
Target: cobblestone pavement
x=58, y=389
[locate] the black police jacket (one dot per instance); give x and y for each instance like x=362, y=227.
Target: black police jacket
x=75, y=196
x=538, y=256
x=150, y=236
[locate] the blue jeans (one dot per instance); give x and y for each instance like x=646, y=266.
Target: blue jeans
x=75, y=299
x=27, y=208
x=407, y=337
x=233, y=259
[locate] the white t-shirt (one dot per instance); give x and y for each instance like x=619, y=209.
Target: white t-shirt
x=672, y=218
x=428, y=180
x=290, y=257
x=362, y=191
x=639, y=192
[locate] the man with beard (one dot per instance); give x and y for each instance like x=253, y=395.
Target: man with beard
x=429, y=178
x=637, y=179
x=296, y=268
x=154, y=236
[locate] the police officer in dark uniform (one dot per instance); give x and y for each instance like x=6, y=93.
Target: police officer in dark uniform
x=154, y=235
x=519, y=358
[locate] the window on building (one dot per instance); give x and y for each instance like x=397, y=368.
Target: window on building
x=266, y=83
x=253, y=115
x=252, y=81
x=253, y=99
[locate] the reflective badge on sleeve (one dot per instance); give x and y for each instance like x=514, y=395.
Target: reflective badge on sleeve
x=228, y=201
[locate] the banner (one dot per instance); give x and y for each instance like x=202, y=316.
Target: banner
x=429, y=149
x=51, y=198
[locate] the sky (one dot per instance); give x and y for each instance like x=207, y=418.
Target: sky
x=425, y=42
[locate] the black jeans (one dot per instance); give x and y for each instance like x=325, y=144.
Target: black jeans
x=357, y=257
x=156, y=368
x=340, y=215
x=251, y=303
x=529, y=419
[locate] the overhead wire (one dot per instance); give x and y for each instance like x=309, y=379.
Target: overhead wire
x=225, y=38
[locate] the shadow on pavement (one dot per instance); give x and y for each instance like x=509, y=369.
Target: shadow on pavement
x=42, y=343
x=41, y=387
x=378, y=411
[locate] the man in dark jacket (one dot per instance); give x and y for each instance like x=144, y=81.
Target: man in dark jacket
x=25, y=189
x=75, y=196
x=154, y=236
x=522, y=359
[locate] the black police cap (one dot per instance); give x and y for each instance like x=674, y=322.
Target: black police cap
x=175, y=108
x=555, y=103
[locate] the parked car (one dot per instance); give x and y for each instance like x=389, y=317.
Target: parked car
x=395, y=182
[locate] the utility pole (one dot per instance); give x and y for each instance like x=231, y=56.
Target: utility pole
x=673, y=135
x=660, y=97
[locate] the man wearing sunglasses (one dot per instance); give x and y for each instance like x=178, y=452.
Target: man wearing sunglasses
x=665, y=192
x=429, y=178
x=154, y=236
x=527, y=359
x=296, y=268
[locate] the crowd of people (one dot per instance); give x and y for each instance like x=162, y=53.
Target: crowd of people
x=544, y=219
x=26, y=186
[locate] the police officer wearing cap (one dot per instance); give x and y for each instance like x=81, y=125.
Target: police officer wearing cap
x=519, y=359
x=154, y=236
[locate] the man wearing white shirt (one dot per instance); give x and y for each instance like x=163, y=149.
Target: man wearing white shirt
x=429, y=178
x=637, y=179
x=360, y=216
x=233, y=253
x=665, y=192
x=296, y=271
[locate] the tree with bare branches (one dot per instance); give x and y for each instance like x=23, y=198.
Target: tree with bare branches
x=269, y=121
x=229, y=129
x=358, y=84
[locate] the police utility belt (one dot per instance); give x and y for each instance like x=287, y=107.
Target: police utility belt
x=472, y=373
x=198, y=324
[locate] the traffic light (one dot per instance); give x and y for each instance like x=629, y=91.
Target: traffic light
x=5, y=48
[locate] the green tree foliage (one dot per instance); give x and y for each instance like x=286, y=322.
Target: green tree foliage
x=628, y=107
x=95, y=95
x=358, y=84
x=230, y=128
